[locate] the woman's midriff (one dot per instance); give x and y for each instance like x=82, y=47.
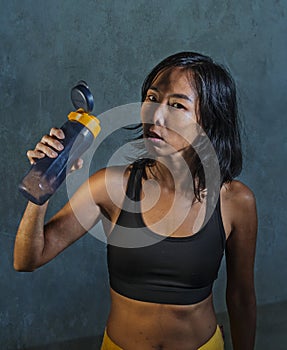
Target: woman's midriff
x=140, y=325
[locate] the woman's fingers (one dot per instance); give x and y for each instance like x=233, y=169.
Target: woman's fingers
x=49, y=146
x=77, y=165
x=41, y=150
x=50, y=141
x=47, y=149
x=58, y=133
x=34, y=154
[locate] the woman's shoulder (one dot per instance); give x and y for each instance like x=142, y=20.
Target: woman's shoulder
x=117, y=173
x=238, y=205
x=238, y=193
x=112, y=175
x=108, y=185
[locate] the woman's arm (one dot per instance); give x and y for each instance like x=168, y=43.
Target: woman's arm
x=240, y=256
x=36, y=243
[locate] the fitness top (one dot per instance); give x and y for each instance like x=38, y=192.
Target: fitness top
x=146, y=266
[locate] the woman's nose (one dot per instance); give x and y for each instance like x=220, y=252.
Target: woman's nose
x=155, y=114
x=159, y=114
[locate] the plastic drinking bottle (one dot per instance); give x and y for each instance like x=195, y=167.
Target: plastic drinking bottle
x=47, y=174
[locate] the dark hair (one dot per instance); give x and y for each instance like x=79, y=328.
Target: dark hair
x=217, y=110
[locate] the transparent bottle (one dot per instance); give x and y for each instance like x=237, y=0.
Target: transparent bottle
x=47, y=174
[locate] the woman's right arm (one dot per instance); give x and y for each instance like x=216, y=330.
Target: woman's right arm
x=37, y=243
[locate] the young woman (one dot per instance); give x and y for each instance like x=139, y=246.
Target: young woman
x=168, y=228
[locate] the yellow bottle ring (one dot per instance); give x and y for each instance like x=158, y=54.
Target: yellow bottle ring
x=89, y=121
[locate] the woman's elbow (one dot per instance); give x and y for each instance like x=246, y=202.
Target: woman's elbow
x=241, y=299
x=23, y=267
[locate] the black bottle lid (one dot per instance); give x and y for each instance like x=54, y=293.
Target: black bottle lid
x=82, y=97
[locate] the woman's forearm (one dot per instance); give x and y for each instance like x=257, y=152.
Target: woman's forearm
x=242, y=325
x=30, y=239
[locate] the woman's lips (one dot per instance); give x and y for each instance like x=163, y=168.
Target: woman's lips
x=153, y=136
x=155, y=140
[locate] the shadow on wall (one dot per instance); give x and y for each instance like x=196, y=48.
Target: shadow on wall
x=88, y=343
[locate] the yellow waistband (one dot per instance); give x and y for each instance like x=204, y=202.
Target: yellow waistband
x=214, y=343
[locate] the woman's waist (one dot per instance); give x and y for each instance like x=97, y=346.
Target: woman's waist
x=151, y=323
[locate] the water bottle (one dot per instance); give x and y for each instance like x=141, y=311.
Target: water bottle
x=47, y=174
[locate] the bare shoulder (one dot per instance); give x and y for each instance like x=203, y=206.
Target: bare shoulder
x=114, y=176
x=238, y=207
x=238, y=193
x=108, y=186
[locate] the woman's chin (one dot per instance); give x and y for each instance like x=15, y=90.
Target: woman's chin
x=158, y=148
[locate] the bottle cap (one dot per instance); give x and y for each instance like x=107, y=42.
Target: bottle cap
x=82, y=97
x=89, y=121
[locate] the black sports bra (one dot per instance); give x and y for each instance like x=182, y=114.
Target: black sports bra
x=146, y=266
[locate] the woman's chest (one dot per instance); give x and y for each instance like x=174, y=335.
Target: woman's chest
x=172, y=214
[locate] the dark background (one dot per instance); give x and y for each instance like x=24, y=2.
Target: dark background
x=45, y=48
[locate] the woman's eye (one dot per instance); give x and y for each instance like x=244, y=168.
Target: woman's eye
x=177, y=105
x=151, y=98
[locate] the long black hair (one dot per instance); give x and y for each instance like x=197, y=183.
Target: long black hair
x=217, y=111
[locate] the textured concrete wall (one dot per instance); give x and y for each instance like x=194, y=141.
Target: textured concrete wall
x=47, y=46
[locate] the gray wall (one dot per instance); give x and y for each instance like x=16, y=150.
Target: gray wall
x=47, y=46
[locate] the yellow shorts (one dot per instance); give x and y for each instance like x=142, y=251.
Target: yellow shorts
x=214, y=343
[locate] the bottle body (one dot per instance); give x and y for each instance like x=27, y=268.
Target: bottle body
x=47, y=174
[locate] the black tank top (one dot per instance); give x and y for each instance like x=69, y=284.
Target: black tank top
x=146, y=266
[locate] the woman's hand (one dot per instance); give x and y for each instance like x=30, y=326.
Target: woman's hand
x=49, y=146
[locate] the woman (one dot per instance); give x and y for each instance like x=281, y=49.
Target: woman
x=161, y=289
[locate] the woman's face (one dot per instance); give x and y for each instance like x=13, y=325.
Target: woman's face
x=169, y=113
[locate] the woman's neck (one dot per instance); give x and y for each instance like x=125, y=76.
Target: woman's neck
x=174, y=173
